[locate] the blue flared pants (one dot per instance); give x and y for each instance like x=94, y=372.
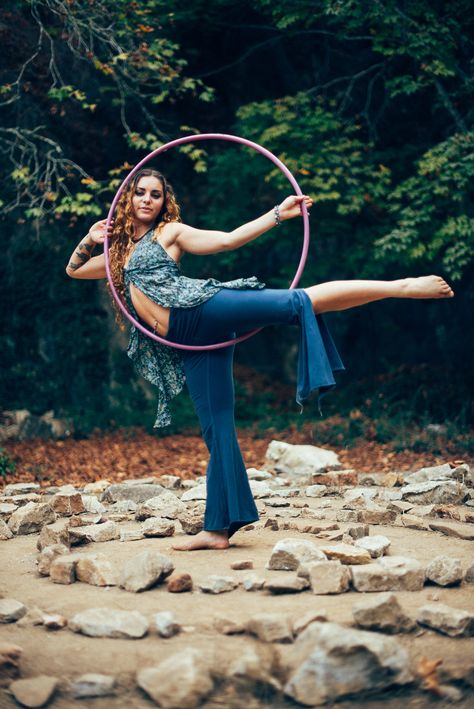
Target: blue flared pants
x=209, y=378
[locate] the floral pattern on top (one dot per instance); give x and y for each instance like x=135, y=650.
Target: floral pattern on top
x=152, y=270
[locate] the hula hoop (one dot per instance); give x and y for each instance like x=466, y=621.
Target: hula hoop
x=162, y=149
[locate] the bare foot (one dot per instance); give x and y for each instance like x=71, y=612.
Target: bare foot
x=204, y=540
x=426, y=287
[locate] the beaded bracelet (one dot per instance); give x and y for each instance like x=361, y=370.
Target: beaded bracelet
x=276, y=210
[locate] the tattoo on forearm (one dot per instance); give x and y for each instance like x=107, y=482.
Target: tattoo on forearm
x=82, y=254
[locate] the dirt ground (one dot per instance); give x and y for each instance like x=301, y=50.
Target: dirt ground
x=67, y=655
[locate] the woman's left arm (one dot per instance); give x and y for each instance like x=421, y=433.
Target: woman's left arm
x=203, y=242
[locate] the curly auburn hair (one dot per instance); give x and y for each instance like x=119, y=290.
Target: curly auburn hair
x=123, y=232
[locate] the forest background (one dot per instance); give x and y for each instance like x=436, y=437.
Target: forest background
x=370, y=104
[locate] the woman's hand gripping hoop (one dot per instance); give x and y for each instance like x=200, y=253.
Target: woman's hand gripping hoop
x=154, y=154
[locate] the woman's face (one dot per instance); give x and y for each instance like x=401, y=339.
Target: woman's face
x=148, y=199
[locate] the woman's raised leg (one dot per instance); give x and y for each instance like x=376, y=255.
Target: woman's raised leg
x=341, y=295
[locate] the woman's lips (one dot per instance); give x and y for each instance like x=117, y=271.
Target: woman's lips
x=145, y=209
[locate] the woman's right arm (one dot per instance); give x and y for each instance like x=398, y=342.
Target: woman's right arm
x=81, y=265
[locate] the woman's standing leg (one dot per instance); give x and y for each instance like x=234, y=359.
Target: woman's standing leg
x=230, y=503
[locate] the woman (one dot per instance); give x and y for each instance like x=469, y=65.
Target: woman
x=148, y=240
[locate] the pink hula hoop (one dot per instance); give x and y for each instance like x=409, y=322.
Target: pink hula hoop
x=162, y=149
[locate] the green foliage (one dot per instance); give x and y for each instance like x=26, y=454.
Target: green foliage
x=7, y=465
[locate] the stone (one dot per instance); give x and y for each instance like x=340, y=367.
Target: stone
x=181, y=681
x=446, y=512
x=10, y=656
x=277, y=502
x=346, y=554
x=288, y=554
x=196, y=493
x=326, y=577
x=228, y=627
x=105, y=532
x=347, y=516
x=400, y=506
x=358, y=495
x=253, y=583
x=469, y=575
x=20, y=489
x=376, y=545
x=461, y=531
x=144, y=571
x=170, y=482
x=260, y=489
x=271, y=523
x=91, y=504
x=242, y=565
x=63, y=569
x=31, y=518
x=392, y=479
x=11, y=610
x=131, y=535
x=390, y=573
x=92, y=685
x=450, y=621
x=54, y=621
x=21, y=500
x=124, y=491
x=34, y=691
x=256, y=665
x=286, y=584
x=413, y=522
x=86, y=519
x=5, y=531
x=109, y=623
x=97, y=487
x=48, y=555
x=180, y=583
x=255, y=474
x=382, y=613
x=218, y=584
x=67, y=504
x=329, y=661
x=435, y=492
x=96, y=570
x=436, y=472
x=124, y=507
x=158, y=527
x=56, y=533
x=376, y=515
x=192, y=522
x=319, y=616
x=316, y=491
x=165, y=505
x=299, y=460
x=166, y=624
x=271, y=628
x=357, y=531
x=444, y=571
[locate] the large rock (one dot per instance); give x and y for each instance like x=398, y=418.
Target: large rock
x=125, y=491
x=450, y=621
x=280, y=584
x=271, y=628
x=5, y=531
x=10, y=656
x=382, y=613
x=346, y=554
x=145, y=570
x=256, y=664
x=260, y=489
x=109, y=623
x=451, y=529
x=329, y=661
x=435, y=493
x=438, y=472
x=34, y=691
x=91, y=504
x=376, y=545
x=376, y=515
x=48, y=555
x=31, y=518
x=299, y=461
x=96, y=570
x=105, y=532
x=326, y=577
x=444, y=571
x=166, y=624
x=288, y=554
x=11, y=610
x=391, y=573
x=165, y=505
x=195, y=493
x=56, y=533
x=20, y=489
x=66, y=504
x=181, y=681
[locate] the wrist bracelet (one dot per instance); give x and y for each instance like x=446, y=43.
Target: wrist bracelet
x=276, y=210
